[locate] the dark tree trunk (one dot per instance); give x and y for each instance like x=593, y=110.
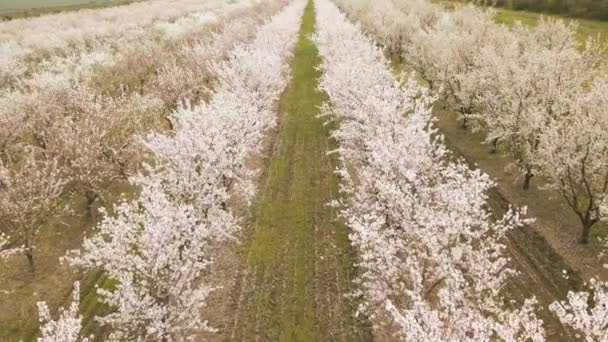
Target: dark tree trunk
x=465, y=122
x=527, y=179
x=494, y=145
x=29, y=254
x=170, y=123
x=91, y=197
x=122, y=171
x=586, y=232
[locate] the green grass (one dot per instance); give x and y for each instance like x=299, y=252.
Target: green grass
x=29, y=4
x=90, y=306
x=33, y=8
x=586, y=27
x=299, y=260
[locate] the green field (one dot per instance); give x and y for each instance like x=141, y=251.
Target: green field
x=14, y=9
x=587, y=9
x=586, y=27
x=12, y=5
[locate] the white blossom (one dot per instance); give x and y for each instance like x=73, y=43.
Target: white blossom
x=157, y=246
x=157, y=251
x=590, y=320
x=574, y=155
x=67, y=327
x=432, y=258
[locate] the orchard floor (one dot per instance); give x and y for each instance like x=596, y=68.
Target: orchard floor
x=298, y=263
x=52, y=280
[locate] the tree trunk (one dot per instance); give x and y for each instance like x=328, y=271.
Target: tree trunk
x=586, y=232
x=29, y=254
x=464, y=123
x=91, y=197
x=527, y=179
x=170, y=123
x=494, y=145
x=142, y=87
x=122, y=171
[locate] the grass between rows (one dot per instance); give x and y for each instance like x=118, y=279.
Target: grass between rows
x=298, y=258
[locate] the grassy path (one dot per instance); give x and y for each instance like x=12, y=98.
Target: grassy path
x=298, y=261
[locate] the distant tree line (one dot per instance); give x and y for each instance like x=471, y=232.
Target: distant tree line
x=590, y=9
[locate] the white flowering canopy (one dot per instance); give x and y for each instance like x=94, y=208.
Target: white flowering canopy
x=432, y=259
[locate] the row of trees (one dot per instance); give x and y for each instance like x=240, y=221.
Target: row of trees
x=63, y=136
x=433, y=263
x=24, y=43
x=536, y=92
x=530, y=89
x=68, y=142
x=157, y=246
